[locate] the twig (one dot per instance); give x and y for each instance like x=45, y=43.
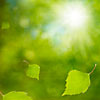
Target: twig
x=25, y=61
x=93, y=69
x=1, y=93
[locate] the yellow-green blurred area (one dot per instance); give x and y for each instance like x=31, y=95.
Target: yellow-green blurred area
x=30, y=30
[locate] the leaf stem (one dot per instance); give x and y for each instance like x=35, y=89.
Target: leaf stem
x=25, y=61
x=93, y=69
x=1, y=93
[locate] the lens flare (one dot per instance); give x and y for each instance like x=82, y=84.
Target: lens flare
x=70, y=28
x=73, y=15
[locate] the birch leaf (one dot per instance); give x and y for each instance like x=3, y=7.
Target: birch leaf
x=33, y=71
x=77, y=82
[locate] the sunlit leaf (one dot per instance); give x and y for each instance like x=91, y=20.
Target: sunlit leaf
x=16, y=96
x=33, y=71
x=77, y=82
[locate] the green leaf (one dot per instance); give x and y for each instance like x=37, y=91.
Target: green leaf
x=33, y=71
x=16, y=96
x=77, y=82
x=5, y=25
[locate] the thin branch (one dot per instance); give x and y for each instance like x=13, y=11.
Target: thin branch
x=93, y=69
x=1, y=93
x=25, y=61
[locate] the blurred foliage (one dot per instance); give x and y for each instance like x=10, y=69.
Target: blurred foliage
x=23, y=25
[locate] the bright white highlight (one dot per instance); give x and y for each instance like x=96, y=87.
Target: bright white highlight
x=74, y=15
x=70, y=30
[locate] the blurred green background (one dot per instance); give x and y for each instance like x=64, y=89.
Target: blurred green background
x=29, y=31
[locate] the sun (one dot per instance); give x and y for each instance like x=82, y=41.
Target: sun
x=74, y=15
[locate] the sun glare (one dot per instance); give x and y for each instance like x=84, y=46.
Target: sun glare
x=74, y=15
